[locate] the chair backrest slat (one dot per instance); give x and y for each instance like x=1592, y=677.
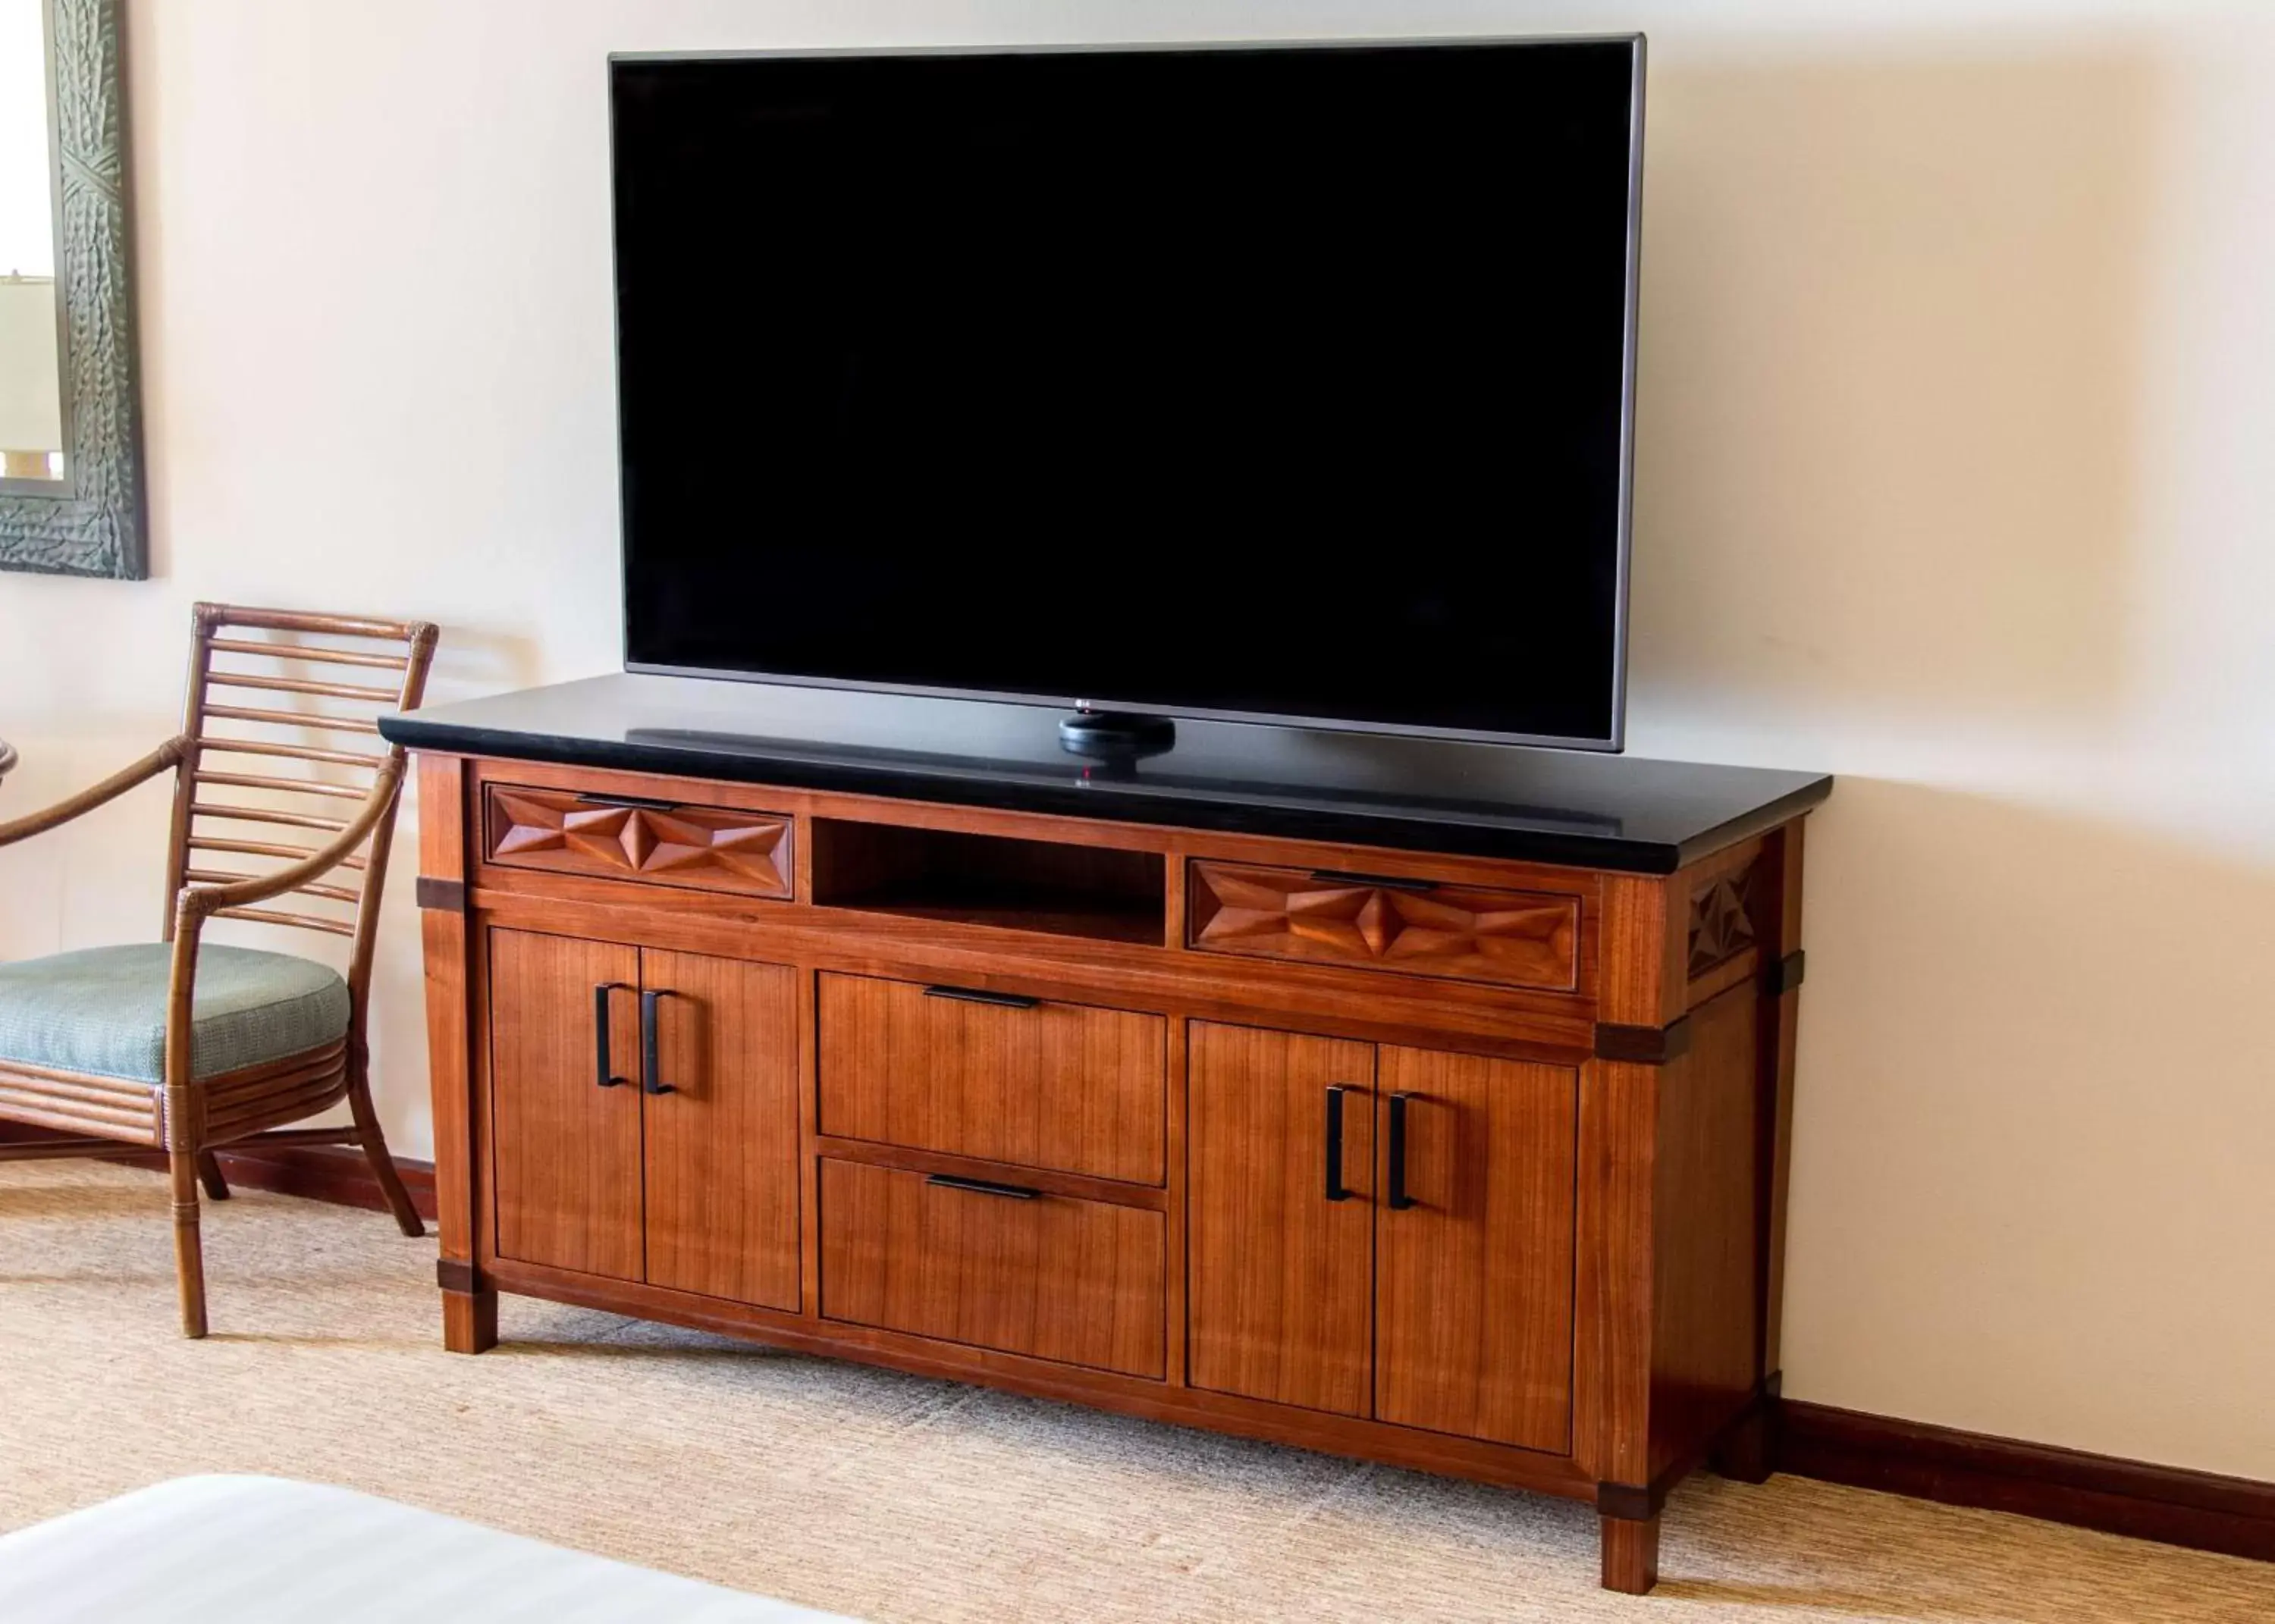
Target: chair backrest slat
x=265, y=848
x=266, y=814
x=225, y=745
x=312, y=652
x=298, y=658
x=296, y=718
x=302, y=684
x=291, y=786
x=315, y=887
x=302, y=921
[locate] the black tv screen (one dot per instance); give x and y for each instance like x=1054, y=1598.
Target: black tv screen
x=1282, y=383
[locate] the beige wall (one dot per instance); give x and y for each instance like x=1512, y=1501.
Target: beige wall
x=1958, y=389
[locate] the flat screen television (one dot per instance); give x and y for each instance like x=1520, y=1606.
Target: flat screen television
x=1289, y=383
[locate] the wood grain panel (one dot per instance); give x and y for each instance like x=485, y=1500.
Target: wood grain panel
x=1473, y=1329
x=1516, y=938
x=1611, y=1273
x=1064, y=1086
x=721, y=1147
x=1706, y=1315
x=1281, y=1280
x=566, y=1152
x=450, y=1056
x=705, y=848
x=1079, y=1282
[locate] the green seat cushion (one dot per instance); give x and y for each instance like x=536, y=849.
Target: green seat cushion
x=103, y=1010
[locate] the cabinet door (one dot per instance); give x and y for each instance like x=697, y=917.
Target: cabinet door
x=1474, y=1319
x=1281, y=1275
x=564, y=1126
x=722, y=1196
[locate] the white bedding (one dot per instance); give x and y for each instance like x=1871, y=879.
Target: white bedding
x=264, y=1551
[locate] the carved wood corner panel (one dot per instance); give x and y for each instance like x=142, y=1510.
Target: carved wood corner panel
x=706, y=847
x=1518, y=937
x=1720, y=926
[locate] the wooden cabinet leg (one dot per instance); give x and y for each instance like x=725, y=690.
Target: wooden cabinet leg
x=470, y=1321
x=1630, y=1554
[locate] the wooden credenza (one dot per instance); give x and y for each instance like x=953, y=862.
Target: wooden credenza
x=1468, y=1163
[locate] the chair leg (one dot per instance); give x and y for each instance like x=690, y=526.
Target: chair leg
x=209, y=1175
x=189, y=1255
x=373, y=1144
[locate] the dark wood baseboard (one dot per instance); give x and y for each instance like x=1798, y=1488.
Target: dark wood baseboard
x=336, y=1174
x=2201, y=1510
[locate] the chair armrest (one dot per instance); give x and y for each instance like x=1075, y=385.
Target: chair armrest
x=167, y=755
x=196, y=903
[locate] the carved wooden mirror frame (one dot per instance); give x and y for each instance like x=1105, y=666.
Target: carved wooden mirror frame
x=92, y=521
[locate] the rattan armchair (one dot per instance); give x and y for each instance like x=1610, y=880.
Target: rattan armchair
x=184, y=1049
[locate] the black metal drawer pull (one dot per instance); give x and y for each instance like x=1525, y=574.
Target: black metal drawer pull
x=982, y=1186
x=1335, y=1190
x=1395, y=1197
x=1384, y=882
x=651, y=1078
x=638, y=803
x=604, y=1071
x=978, y=995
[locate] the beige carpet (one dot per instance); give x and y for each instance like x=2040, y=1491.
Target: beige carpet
x=881, y=1495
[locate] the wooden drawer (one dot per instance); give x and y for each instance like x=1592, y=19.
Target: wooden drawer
x=659, y=842
x=1039, y=1084
x=1081, y=1282
x=1471, y=933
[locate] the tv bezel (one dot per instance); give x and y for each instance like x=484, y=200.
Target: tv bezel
x=1611, y=743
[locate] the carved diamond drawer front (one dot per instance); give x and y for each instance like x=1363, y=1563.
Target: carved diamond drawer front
x=1471, y=933
x=708, y=848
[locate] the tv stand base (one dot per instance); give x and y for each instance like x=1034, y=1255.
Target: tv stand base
x=1116, y=735
x=1464, y=1164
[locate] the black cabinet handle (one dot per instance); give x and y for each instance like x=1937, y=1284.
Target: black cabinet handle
x=978, y=995
x=983, y=1187
x=1384, y=882
x=1397, y=1198
x=1335, y=1190
x=638, y=803
x=604, y=1072
x=650, y=1082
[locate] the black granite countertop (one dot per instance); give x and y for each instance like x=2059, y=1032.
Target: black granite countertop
x=1485, y=800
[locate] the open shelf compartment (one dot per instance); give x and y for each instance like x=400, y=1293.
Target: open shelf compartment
x=1099, y=893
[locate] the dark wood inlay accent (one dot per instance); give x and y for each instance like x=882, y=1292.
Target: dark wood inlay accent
x=1787, y=974
x=443, y=896
x=1643, y=1045
x=1630, y=1502
x=453, y=1275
